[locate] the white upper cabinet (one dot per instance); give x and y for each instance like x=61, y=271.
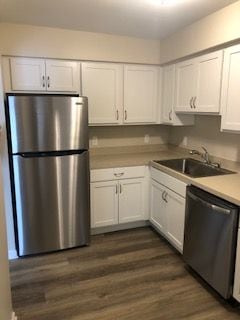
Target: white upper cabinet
x=209, y=77
x=131, y=200
x=186, y=76
x=62, y=75
x=168, y=115
x=102, y=83
x=198, y=84
x=230, y=90
x=140, y=94
x=28, y=74
x=167, y=94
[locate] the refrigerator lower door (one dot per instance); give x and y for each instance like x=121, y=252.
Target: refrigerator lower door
x=52, y=202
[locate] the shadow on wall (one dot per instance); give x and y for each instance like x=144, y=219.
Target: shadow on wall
x=206, y=132
x=129, y=135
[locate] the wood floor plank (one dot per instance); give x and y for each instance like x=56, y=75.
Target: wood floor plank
x=125, y=275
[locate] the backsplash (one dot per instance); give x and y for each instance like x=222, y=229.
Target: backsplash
x=206, y=132
x=128, y=135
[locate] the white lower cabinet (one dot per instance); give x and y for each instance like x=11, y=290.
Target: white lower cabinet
x=158, y=206
x=104, y=203
x=118, y=200
x=167, y=208
x=175, y=216
x=131, y=200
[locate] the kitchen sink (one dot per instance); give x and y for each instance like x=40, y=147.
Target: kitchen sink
x=194, y=168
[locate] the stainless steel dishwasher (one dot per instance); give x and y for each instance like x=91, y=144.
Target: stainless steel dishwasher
x=210, y=239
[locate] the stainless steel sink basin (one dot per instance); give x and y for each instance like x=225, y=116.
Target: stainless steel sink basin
x=193, y=168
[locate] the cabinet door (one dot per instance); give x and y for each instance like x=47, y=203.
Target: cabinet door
x=102, y=83
x=140, y=94
x=167, y=103
x=131, y=200
x=158, y=206
x=168, y=79
x=186, y=79
x=175, y=213
x=230, y=89
x=28, y=74
x=209, y=76
x=104, y=203
x=63, y=76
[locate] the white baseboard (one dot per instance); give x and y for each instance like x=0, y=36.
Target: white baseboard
x=14, y=316
x=12, y=254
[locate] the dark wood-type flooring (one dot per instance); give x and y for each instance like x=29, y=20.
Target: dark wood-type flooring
x=127, y=275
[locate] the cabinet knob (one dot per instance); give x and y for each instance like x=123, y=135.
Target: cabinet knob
x=125, y=113
x=170, y=115
x=117, y=113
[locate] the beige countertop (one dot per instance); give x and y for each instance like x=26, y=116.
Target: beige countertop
x=225, y=186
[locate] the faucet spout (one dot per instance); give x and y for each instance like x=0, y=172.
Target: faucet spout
x=206, y=156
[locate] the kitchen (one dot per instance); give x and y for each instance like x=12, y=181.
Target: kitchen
x=154, y=94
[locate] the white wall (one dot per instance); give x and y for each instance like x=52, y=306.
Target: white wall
x=129, y=135
x=206, y=132
x=220, y=27
x=5, y=292
x=24, y=40
x=37, y=41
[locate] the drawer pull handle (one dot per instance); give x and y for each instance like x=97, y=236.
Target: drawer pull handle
x=119, y=174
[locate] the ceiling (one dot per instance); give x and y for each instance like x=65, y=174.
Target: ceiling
x=138, y=18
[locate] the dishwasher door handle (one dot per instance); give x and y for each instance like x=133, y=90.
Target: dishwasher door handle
x=209, y=205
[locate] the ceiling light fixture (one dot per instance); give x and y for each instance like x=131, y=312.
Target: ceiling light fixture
x=165, y=3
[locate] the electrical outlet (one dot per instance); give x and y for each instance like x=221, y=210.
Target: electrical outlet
x=185, y=141
x=94, y=141
x=146, y=138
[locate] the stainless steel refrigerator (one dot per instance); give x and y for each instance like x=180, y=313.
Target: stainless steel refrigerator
x=49, y=160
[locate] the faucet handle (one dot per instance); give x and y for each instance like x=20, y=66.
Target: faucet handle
x=194, y=152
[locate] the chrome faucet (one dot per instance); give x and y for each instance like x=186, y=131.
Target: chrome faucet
x=205, y=156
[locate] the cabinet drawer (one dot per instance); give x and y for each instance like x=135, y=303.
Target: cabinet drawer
x=169, y=182
x=117, y=173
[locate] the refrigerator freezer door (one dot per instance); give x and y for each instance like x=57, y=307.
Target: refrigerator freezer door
x=41, y=123
x=52, y=202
